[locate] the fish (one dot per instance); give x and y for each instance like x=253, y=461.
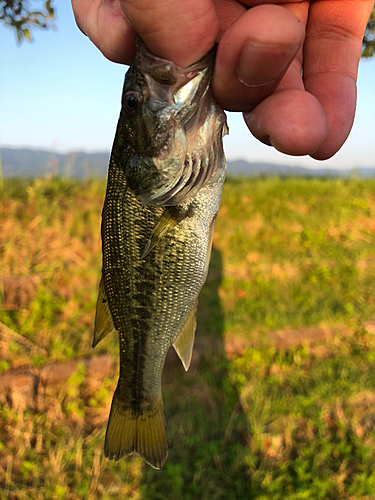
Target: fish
x=164, y=185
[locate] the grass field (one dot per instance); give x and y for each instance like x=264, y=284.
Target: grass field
x=280, y=399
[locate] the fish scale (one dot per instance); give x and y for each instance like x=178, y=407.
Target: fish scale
x=155, y=257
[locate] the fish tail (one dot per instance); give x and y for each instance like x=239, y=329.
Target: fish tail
x=141, y=431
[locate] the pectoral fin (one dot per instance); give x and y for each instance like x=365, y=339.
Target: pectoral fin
x=185, y=340
x=170, y=218
x=103, y=318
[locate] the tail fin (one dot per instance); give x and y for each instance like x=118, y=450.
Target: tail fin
x=136, y=431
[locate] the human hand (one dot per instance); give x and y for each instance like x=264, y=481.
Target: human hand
x=290, y=68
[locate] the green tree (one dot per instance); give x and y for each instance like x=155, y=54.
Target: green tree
x=23, y=16
x=369, y=38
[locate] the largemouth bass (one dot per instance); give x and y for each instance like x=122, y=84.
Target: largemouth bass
x=165, y=179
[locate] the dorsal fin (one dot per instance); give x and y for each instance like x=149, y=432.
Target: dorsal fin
x=170, y=218
x=185, y=340
x=103, y=317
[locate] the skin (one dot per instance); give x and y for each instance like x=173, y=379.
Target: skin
x=264, y=46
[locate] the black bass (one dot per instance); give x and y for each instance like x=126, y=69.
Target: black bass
x=165, y=179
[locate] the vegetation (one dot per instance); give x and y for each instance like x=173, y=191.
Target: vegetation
x=23, y=17
x=280, y=399
x=369, y=37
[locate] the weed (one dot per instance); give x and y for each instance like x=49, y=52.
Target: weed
x=251, y=419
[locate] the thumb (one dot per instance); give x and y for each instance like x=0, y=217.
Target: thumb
x=177, y=30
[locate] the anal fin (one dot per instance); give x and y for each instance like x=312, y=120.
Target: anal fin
x=103, y=317
x=185, y=340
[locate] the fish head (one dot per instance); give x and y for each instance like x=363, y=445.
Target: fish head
x=163, y=106
x=157, y=97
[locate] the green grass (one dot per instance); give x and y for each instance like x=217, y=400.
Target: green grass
x=261, y=421
x=297, y=252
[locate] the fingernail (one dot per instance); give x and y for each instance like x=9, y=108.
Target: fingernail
x=260, y=64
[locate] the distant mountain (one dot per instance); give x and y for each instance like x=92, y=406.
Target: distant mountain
x=243, y=167
x=35, y=163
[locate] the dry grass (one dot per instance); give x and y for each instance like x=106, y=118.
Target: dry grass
x=279, y=401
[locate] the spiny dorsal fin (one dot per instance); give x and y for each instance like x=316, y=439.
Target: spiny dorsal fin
x=185, y=340
x=170, y=218
x=103, y=317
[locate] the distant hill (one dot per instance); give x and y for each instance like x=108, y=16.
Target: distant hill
x=243, y=167
x=35, y=163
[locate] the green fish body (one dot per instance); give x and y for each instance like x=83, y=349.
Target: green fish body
x=165, y=179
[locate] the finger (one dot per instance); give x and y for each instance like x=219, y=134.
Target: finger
x=254, y=54
x=254, y=3
x=290, y=120
x=177, y=30
x=104, y=22
x=332, y=52
x=228, y=12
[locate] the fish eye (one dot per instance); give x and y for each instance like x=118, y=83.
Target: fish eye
x=131, y=100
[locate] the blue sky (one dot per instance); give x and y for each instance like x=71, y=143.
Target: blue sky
x=60, y=93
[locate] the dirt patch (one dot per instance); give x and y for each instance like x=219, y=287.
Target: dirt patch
x=289, y=337
x=30, y=386
x=19, y=291
x=234, y=346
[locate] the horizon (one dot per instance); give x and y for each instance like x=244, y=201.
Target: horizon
x=248, y=164
x=72, y=101
x=320, y=165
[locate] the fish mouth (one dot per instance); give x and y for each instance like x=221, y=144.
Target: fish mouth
x=192, y=155
x=170, y=78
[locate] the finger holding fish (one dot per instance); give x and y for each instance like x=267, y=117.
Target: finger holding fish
x=176, y=30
